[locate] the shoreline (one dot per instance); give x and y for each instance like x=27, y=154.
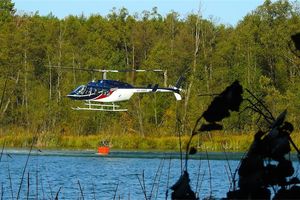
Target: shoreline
x=214, y=142
x=130, y=154
x=124, y=154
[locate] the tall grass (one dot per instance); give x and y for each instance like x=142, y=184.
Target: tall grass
x=213, y=142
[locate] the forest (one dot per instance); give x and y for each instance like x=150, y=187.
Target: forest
x=35, y=49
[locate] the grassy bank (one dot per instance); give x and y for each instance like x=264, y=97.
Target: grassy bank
x=211, y=142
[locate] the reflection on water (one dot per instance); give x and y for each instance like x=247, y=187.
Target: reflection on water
x=105, y=177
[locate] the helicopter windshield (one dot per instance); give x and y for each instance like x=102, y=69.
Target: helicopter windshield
x=86, y=90
x=80, y=90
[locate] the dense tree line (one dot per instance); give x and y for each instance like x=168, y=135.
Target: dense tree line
x=257, y=52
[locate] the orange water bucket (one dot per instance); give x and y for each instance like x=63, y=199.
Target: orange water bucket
x=104, y=150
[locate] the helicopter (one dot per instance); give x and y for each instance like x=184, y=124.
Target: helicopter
x=102, y=95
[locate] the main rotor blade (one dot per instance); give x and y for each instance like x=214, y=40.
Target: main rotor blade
x=108, y=70
x=84, y=69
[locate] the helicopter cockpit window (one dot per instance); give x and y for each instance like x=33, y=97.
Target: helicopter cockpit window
x=90, y=90
x=80, y=90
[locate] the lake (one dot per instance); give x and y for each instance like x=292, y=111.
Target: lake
x=86, y=175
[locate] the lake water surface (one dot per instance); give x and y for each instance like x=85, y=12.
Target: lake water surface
x=86, y=175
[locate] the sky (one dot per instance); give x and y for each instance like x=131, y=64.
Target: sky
x=227, y=12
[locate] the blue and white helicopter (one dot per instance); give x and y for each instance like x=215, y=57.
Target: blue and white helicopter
x=102, y=95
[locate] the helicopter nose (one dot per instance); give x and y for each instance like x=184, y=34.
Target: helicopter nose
x=71, y=95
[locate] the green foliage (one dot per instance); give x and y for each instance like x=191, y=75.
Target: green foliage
x=211, y=56
x=6, y=11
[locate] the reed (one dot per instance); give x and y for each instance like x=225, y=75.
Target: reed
x=81, y=191
x=115, y=193
x=142, y=184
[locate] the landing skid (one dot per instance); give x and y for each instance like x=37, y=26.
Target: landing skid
x=101, y=107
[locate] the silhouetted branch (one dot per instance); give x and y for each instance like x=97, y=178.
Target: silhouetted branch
x=261, y=103
x=3, y=92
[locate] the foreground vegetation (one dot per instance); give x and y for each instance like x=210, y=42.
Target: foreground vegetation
x=257, y=52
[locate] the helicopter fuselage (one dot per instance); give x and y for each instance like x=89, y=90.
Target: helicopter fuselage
x=110, y=91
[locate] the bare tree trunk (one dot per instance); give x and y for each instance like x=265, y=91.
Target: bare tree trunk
x=133, y=65
x=189, y=89
x=126, y=59
x=3, y=93
x=60, y=42
x=206, y=70
x=248, y=67
x=25, y=94
x=155, y=110
x=50, y=79
x=172, y=37
x=126, y=53
x=74, y=73
x=166, y=78
x=25, y=103
x=5, y=107
x=172, y=47
x=207, y=48
x=9, y=96
x=140, y=118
